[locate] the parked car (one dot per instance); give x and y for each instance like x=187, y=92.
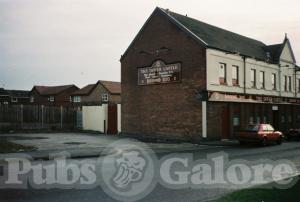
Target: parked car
x=293, y=133
x=259, y=133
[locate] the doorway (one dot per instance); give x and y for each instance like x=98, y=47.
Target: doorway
x=225, y=123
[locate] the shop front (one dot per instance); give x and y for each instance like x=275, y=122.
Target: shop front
x=238, y=111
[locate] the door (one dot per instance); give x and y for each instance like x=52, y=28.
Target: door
x=275, y=121
x=112, y=119
x=225, y=123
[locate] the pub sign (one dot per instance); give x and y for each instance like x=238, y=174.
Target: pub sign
x=159, y=73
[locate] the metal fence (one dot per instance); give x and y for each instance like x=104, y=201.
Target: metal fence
x=18, y=117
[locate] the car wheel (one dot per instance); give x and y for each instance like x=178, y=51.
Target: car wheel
x=279, y=141
x=264, y=142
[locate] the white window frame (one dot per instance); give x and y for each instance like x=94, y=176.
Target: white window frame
x=290, y=84
x=285, y=84
x=51, y=98
x=14, y=99
x=235, y=74
x=262, y=79
x=253, y=78
x=222, y=73
x=77, y=99
x=31, y=99
x=104, y=97
x=273, y=80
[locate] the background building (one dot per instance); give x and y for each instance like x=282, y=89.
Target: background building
x=98, y=93
x=182, y=78
x=52, y=95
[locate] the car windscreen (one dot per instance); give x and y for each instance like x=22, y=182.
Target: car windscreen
x=252, y=128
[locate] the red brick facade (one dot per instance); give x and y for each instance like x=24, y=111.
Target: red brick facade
x=164, y=109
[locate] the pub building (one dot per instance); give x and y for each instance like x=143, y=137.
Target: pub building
x=187, y=80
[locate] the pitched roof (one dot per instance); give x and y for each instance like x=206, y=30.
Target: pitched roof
x=217, y=38
x=85, y=90
x=112, y=86
x=51, y=90
x=18, y=93
x=3, y=92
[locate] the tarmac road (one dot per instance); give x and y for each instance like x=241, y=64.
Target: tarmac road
x=287, y=151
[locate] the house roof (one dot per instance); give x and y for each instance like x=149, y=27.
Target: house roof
x=3, y=92
x=112, y=86
x=52, y=90
x=217, y=38
x=85, y=90
x=18, y=93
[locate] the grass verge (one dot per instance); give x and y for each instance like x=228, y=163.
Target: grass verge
x=260, y=194
x=10, y=147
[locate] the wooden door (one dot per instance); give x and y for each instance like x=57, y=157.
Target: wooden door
x=112, y=127
x=225, y=123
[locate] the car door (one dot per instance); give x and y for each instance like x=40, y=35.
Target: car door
x=272, y=133
x=264, y=130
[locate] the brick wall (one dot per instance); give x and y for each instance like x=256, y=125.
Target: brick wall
x=165, y=109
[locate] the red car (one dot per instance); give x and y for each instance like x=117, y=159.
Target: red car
x=260, y=133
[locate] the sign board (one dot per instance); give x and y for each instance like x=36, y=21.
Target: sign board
x=159, y=73
x=226, y=97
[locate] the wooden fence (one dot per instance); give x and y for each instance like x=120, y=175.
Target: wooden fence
x=18, y=117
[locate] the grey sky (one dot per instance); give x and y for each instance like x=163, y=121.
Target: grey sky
x=54, y=42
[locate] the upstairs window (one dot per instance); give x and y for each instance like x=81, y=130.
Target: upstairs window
x=262, y=79
x=14, y=99
x=77, y=99
x=31, y=99
x=253, y=78
x=299, y=85
x=290, y=83
x=235, y=75
x=222, y=73
x=51, y=98
x=105, y=97
x=273, y=80
x=285, y=83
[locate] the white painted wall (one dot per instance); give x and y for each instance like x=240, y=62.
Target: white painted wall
x=93, y=118
x=214, y=57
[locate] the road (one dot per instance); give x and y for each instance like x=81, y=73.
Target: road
x=287, y=151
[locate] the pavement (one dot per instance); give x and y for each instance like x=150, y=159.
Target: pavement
x=85, y=145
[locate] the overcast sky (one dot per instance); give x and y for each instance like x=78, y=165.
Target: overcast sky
x=54, y=42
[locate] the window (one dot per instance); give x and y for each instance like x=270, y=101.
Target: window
x=285, y=83
x=31, y=99
x=270, y=128
x=265, y=127
x=51, y=98
x=222, y=73
x=290, y=83
x=77, y=99
x=105, y=97
x=299, y=85
x=273, y=80
x=262, y=79
x=14, y=99
x=253, y=78
x=235, y=75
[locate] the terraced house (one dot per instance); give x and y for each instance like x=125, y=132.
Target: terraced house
x=185, y=79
